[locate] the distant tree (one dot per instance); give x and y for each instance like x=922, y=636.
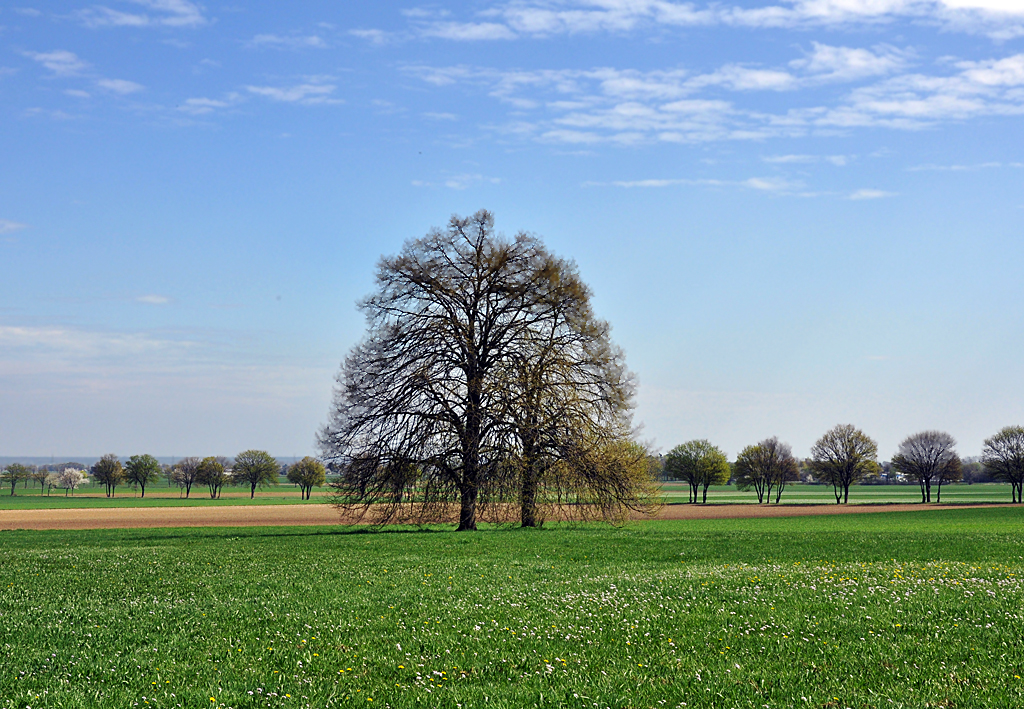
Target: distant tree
x=52, y=481
x=212, y=472
x=13, y=474
x=307, y=474
x=142, y=470
x=843, y=456
x=109, y=473
x=71, y=479
x=39, y=475
x=764, y=466
x=699, y=464
x=185, y=473
x=929, y=457
x=255, y=469
x=1003, y=455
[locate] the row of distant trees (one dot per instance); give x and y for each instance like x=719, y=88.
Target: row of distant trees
x=845, y=455
x=252, y=468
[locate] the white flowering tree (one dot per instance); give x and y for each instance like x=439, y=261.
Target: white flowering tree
x=70, y=479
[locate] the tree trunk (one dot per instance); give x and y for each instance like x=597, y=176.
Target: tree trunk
x=467, y=511
x=252, y=491
x=705, y=494
x=143, y=490
x=928, y=489
x=846, y=494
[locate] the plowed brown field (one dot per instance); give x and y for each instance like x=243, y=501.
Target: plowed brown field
x=293, y=515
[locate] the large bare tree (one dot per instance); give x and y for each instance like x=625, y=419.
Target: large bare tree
x=480, y=354
x=1003, y=455
x=930, y=458
x=843, y=456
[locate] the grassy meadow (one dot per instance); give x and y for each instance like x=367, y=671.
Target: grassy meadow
x=919, y=609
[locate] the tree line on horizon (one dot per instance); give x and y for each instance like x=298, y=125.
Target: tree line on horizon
x=255, y=469
x=842, y=457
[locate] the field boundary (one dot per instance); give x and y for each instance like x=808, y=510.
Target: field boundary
x=326, y=514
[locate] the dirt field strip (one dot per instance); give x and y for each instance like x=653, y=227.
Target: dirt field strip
x=298, y=515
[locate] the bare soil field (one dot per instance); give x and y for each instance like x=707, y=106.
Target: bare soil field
x=312, y=514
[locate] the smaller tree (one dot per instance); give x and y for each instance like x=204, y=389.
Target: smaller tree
x=212, y=472
x=185, y=473
x=13, y=474
x=699, y=464
x=255, y=469
x=927, y=457
x=39, y=475
x=70, y=479
x=766, y=465
x=307, y=474
x=141, y=470
x=843, y=456
x=108, y=472
x=1003, y=456
x=52, y=481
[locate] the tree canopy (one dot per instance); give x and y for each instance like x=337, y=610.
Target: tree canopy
x=929, y=457
x=699, y=464
x=109, y=472
x=254, y=468
x=484, y=384
x=15, y=473
x=843, y=456
x=141, y=470
x=1003, y=456
x=765, y=466
x=307, y=474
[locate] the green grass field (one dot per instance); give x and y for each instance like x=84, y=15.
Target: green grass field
x=161, y=495
x=920, y=609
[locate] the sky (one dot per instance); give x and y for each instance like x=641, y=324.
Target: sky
x=794, y=213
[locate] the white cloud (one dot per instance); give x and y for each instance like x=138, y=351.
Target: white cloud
x=119, y=86
x=153, y=299
x=617, y=106
x=60, y=61
x=200, y=106
x=9, y=227
x=307, y=94
x=871, y=194
x=151, y=13
x=1002, y=19
x=837, y=160
x=77, y=93
x=459, y=182
x=846, y=64
x=441, y=116
x=375, y=36
x=468, y=31
x=296, y=42
x=956, y=168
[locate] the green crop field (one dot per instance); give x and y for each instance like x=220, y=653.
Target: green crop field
x=919, y=609
x=161, y=495
x=960, y=493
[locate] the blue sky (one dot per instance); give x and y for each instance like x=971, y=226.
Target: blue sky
x=794, y=213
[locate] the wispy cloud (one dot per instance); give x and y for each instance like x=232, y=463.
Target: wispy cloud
x=837, y=160
x=293, y=42
x=119, y=86
x=871, y=194
x=60, y=61
x=9, y=227
x=958, y=168
x=145, y=13
x=198, y=106
x=459, y=182
x=1001, y=19
x=308, y=94
x=153, y=299
x=776, y=185
x=625, y=107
